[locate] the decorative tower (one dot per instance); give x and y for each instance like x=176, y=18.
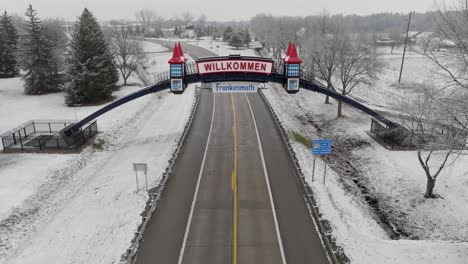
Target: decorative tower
x=292, y=69
x=177, y=69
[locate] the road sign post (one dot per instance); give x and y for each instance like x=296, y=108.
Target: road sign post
x=143, y=167
x=321, y=147
x=324, y=173
x=313, y=170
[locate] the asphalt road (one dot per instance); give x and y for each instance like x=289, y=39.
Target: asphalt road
x=234, y=196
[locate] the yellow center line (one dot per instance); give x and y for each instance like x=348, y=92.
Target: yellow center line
x=234, y=186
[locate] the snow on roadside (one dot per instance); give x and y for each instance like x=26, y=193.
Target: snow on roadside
x=221, y=48
x=217, y=47
x=355, y=228
x=83, y=208
x=151, y=47
x=97, y=224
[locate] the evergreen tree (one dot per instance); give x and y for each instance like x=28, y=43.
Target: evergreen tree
x=228, y=32
x=137, y=30
x=91, y=71
x=236, y=40
x=37, y=58
x=246, y=38
x=8, y=47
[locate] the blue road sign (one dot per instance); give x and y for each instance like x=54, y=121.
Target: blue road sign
x=322, y=146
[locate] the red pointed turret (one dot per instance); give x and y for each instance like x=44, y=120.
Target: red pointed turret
x=177, y=56
x=292, y=57
x=287, y=51
x=181, y=52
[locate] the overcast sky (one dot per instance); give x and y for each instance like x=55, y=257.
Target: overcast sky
x=214, y=9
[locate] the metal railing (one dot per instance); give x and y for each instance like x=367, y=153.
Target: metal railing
x=42, y=135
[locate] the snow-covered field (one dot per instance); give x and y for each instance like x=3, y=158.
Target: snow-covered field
x=221, y=48
x=217, y=47
x=84, y=208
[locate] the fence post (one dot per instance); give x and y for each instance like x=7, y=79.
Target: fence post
x=40, y=145
x=50, y=129
x=14, y=137
x=58, y=144
x=21, y=141
x=34, y=127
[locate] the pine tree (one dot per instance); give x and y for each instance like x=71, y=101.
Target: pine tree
x=8, y=47
x=37, y=58
x=137, y=30
x=246, y=37
x=236, y=40
x=228, y=32
x=91, y=71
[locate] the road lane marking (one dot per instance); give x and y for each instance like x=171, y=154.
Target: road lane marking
x=234, y=186
x=265, y=172
x=189, y=222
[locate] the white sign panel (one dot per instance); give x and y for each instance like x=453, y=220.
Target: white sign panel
x=220, y=66
x=234, y=87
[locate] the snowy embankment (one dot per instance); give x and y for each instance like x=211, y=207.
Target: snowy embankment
x=84, y=208
x=393, y=178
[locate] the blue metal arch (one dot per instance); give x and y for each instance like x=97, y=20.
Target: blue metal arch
x=219, y=77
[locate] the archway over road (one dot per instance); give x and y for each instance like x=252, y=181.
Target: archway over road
x=229, y=69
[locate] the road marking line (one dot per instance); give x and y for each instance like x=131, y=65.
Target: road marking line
x=187, y=228
x=273, y=209
x=234, y=186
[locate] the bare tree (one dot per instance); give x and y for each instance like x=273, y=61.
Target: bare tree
x=127, y=52
x=357, y=64
x=187, y=18
x=146, y=17
x=452, y=25
x=438, y=126
x=323, y=49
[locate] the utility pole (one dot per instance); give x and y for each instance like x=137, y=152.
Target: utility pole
x=404, y=49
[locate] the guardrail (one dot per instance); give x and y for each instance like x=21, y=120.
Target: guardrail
x=324, y=230
x=42, y=135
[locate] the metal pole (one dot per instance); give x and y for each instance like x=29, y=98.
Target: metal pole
x=313, y=170
x=136, y=177
x=21, y=141
x=404, y=49
x=324, y=173
x=76, y=116
x=146, y=181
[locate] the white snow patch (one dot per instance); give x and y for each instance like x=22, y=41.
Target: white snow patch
x=394, y=176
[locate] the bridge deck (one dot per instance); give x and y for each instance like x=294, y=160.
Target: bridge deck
x=210, y=234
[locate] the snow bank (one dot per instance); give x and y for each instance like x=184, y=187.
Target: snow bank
x=355, y=227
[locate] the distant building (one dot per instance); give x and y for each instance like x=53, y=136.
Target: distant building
x=189, y=31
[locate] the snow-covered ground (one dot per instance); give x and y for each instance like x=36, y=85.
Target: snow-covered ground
x=221, y=48
x=394, y=178
x=418, y=70
x=84, y=208
x=217, y=47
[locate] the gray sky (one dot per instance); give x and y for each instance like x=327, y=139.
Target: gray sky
x=214, y=9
